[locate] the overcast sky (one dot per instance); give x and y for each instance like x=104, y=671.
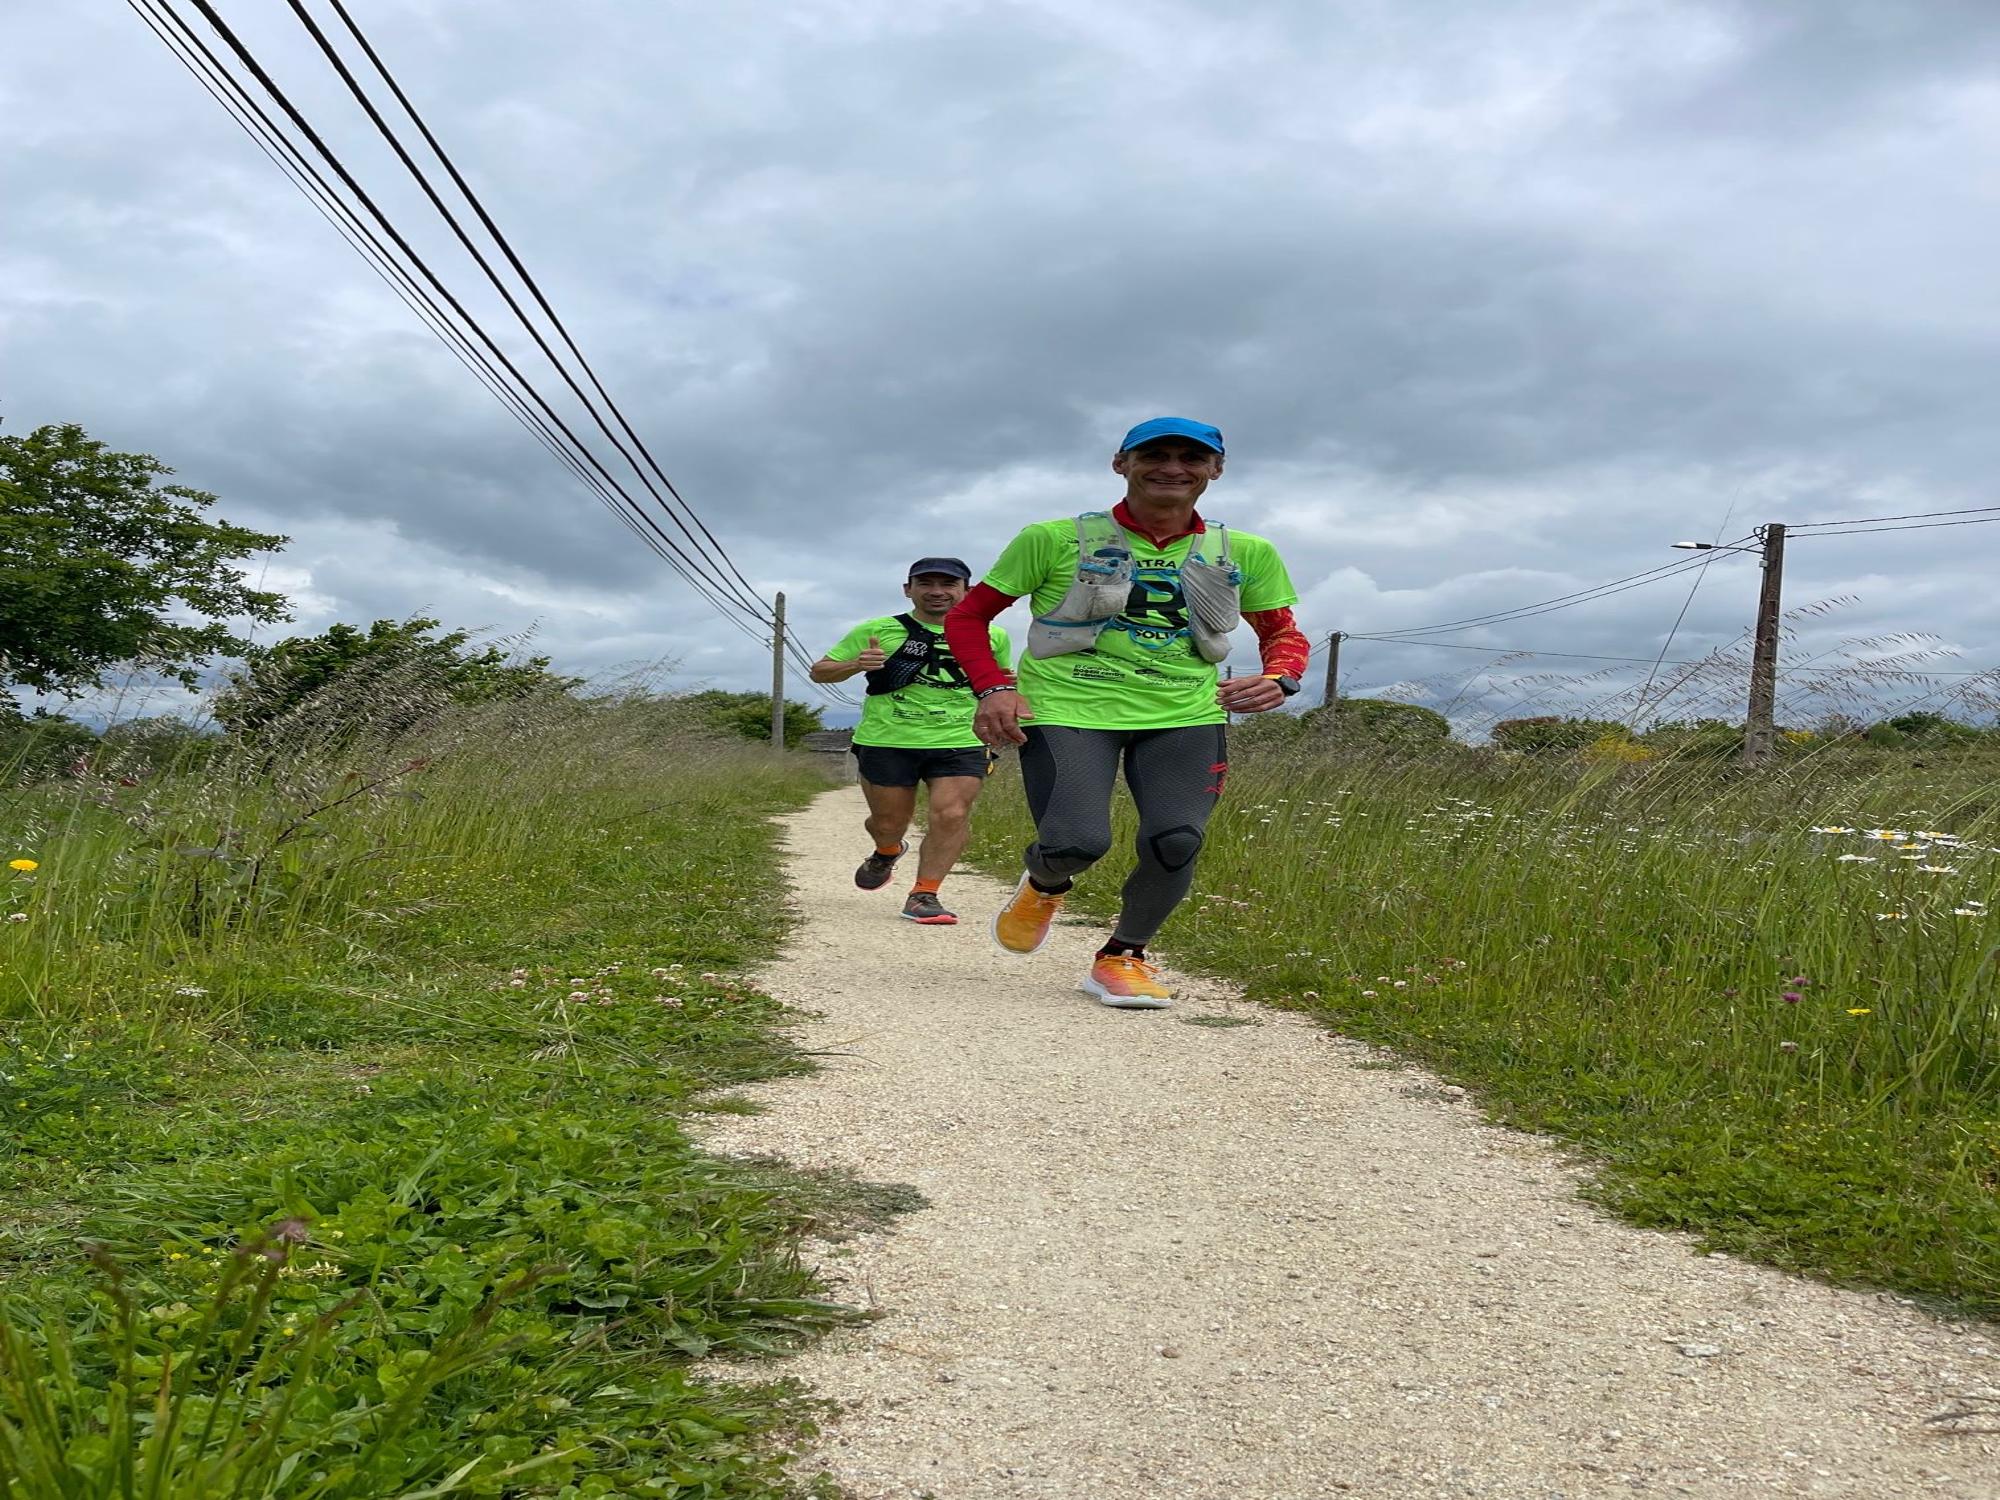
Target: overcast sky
x=1492, y=300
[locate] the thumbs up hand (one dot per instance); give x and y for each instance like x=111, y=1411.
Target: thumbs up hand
x=872, y=659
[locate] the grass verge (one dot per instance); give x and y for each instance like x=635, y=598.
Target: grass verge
x=1770, y=1005
x=369, y=1180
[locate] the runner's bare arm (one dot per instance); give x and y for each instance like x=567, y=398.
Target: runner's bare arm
x=827, y=669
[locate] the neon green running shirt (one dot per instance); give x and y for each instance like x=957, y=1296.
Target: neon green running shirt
x=1143, y=672
x=932, y=713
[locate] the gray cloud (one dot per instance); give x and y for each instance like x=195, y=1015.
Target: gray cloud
x=1493, y=301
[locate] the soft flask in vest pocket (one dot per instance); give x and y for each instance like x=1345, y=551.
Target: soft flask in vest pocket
x=1099, y=592
x=1214, y=592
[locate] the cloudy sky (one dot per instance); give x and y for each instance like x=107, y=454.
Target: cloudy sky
x=1493, y=301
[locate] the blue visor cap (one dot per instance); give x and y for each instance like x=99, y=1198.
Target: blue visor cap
x=1159, y=427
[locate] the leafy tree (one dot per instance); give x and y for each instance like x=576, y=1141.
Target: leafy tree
x=1380, y=721
x=95, y=556
x=749, y=714
x=34, y=747
x=1931, y=729
x=390, y=677
x=1551, y=734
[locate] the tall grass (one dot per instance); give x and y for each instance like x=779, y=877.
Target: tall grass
x=342, y=1073
x=1787, y=1038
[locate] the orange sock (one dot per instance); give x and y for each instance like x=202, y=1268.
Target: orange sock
x=888, y=853
x=925, y=885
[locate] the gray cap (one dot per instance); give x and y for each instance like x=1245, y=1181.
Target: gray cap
x=950, y=566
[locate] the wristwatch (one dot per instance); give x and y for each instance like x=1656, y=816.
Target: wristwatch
x=1286, y=685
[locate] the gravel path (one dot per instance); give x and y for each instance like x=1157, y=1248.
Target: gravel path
x=1254, y=1263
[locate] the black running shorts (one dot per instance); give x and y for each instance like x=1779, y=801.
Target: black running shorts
x=891, y=765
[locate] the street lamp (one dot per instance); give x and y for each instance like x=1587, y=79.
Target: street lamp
x=1760, y=730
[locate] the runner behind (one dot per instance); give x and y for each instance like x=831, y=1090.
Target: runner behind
x=916, y=726
x=1132, y=613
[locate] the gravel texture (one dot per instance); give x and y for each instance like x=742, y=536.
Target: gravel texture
x=1254, y=1262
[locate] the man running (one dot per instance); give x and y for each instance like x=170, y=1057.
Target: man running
x=1132, y=613
x=916, y=725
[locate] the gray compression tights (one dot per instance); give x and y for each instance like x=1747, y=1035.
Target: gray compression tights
x=1175, y=776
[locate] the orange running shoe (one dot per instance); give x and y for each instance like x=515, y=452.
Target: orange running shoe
x=1125, y=981
x=1022, y=925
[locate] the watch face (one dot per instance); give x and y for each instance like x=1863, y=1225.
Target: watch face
x=1288, y=685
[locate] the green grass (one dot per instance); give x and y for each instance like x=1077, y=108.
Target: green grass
x=1606, y=952
x=344, y=1153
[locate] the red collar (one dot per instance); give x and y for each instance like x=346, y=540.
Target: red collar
x=1122, y=514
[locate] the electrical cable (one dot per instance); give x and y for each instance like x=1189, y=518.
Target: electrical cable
x=1873, y=530
x=215, y=78
x=437, y=202
x=220, y=84
x=1562, y=601
x=304, y=127
x=1922, y=515
x=528, y=280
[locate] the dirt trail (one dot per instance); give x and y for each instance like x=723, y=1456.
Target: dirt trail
x=1249, y=1263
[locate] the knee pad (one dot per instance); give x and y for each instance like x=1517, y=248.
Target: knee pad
x=1175, y=848
x=1072, y=859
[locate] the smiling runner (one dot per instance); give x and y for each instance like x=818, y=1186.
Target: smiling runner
x=916, y=726
x=1133, y=609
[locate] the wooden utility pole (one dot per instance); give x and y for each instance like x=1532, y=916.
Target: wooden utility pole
x=1333, y=672
x=778, y=678
x=1760, y=729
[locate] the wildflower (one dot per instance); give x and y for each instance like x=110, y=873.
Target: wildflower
x=577, y=997
x=1859, y=1010
x=17, y=916
x=1832, y=828
x=1402, y=984
x=1967, y=911
x=1367, y=994
x=23, y=865
x=517, y=984
x=1938, y=869
x=190, y=989
x=661, y=973
x=1791, y=997
x=1800, y=979
x=1889, y=834
x=1892, y=916
x=1852, y=859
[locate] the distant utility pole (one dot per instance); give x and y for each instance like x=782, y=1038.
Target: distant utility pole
x=1333, y=671
x=778, y=678
x=1760, y=729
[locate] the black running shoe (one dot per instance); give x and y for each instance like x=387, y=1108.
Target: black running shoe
x=873, y=872
x=924, y=906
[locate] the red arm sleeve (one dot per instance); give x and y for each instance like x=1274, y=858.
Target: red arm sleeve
x=966, y=632
x=1282, y=645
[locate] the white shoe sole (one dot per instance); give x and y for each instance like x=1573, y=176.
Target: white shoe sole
x=993, y=927
x=1089, y=985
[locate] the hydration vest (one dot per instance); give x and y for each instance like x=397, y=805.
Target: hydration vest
x=1102, y=589
x=909, y=660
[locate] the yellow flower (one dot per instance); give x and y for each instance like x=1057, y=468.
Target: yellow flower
x=1858, y=1010
x=24, y=865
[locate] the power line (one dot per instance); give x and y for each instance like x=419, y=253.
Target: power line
x=731, y=600
x=214, y=76
x=1922, y=515
x=361, y=195
x=1506, y=650
x=1561, y=601
x=528, y=280
x=1924, y=526
x=382, y=127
